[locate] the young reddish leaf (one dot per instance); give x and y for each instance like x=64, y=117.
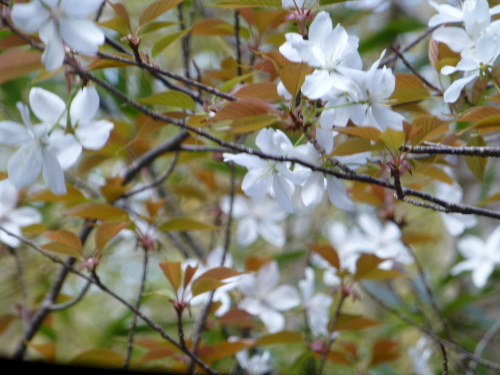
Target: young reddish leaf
x=16, y=63
x=239, y=318
x=106, y=231
x=173, y=272
x=228, y=85
x=266, y=20
x=119, y=24
x=392, y=139
x=263, y=90
x=56, y=247
x=170, y=98
x=366, y=132
x=478, y=113
x=155, y=354
x=478, y=88
x=5, y=321
x=380, y=274
x=99, y=358
x=232, y=4
x=220, y=273
x=491, y=123
x=366, y=263
x=334, y=356
x=328, y=253
x=253, y=263
x=106, y=63
x=184, y=224
x=45, y=195
x=430, y=170
x=97, y=211
x=66, y=238
x=293, y=77
x=354, y=146
x=205, y=284
x=188, y=274
x=243, y=108
x=409, y=88
x=222, y=350
x=153, y=207
x=367, y=193
x=157, y=9
x=249, y=124
x=384, y=351
x=167, y=40
x=213, y=26
x=428, y=127
x=11, y=41
x=122, y=12
x=47, y=350
x=476, y=164
x=283, y=337
x=347, y=322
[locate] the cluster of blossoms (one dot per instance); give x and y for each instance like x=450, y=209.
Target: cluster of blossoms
x=49, y=147
x=348, y=93
x=478, y=41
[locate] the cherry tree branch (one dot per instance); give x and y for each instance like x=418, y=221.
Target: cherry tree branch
x=78, y=298
x=95, y=280
x=133, y=323
x=483, y=152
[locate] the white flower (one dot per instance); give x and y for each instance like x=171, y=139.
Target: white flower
x=382, y=240
x=455, y=223
x=316, y=183
x=12, y=218
x=317, y=306
x=451, y=14
x=327, y=49
x=58, y=22
x=259, y=216
x=257, y=365
x=214, y=260
x=371, y=94
x=420, y=355
x=39, y=151
x=480, y=257
x=269, y=175
x=264, y=299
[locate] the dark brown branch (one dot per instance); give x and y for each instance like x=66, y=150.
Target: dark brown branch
x=239, y=60
x=67, y=305
x=483, y=152
x=415, y=71
x=133, y=323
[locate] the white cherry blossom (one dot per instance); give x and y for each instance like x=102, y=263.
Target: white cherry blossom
x=12, y=218
x=455, y=223
x=38, y=151
x=373, y=89
x=258, y=364
x=214, y=260
x=327, y=49
x=60, y=22
x=317, y=306
x=420, y=355
x=265, y=299
x=258, y=216
x=480, y=257
x=269, y=175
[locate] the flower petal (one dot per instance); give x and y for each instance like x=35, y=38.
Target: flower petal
x=84, y=106
x=454, y=37
x=84, y=8
x=53, y=174
x=452, y=93
x=30, y=17
x=14, y=134
x=271, y=232
x=47, y=106
x=25, y=165
x=81, y=35
x=247, y=232
x=284, y=297
x=53, y=56
x=94, y=135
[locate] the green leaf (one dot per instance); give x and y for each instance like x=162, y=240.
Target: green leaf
x=153, y=26
x=157, y=9
x=170, y=98
x=476, y=164
x=283, y=337
x=184, y=224
x=247, y=3
x=118, y=24
x=392, y=139
x=167, y=40
x=205, y=285
x=228, y=85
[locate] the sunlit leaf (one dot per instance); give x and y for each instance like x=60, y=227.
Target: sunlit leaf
x=205, y=285
x=188, y=274
x=213, y=26
x=366, y=132
x=392, y=139
x=170, y=98
x=122, y=12
x=154, y=26
x=263, y=90
x=119, y=24
x=58, y=248
x=409, y=88
x=97, y=211
x=156, y=9
x=45, y=195
x=428, y=127
x=243, y=108
x=476, y=164
x=106, y=231
x=479, y=113
x=220, y=273
x=184, y=224
x=173, y=272
x=293, y=77
x=66, y=238
x=167, y=40
x=283, y=337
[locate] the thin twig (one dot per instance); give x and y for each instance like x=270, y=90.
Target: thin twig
x=95, y=280
x=133, y=323
x=484, y=341
x=429, y=333
x=157, y=181
x=239, y=70
x=415, y=71
x=67, y=305
x=331, y=330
